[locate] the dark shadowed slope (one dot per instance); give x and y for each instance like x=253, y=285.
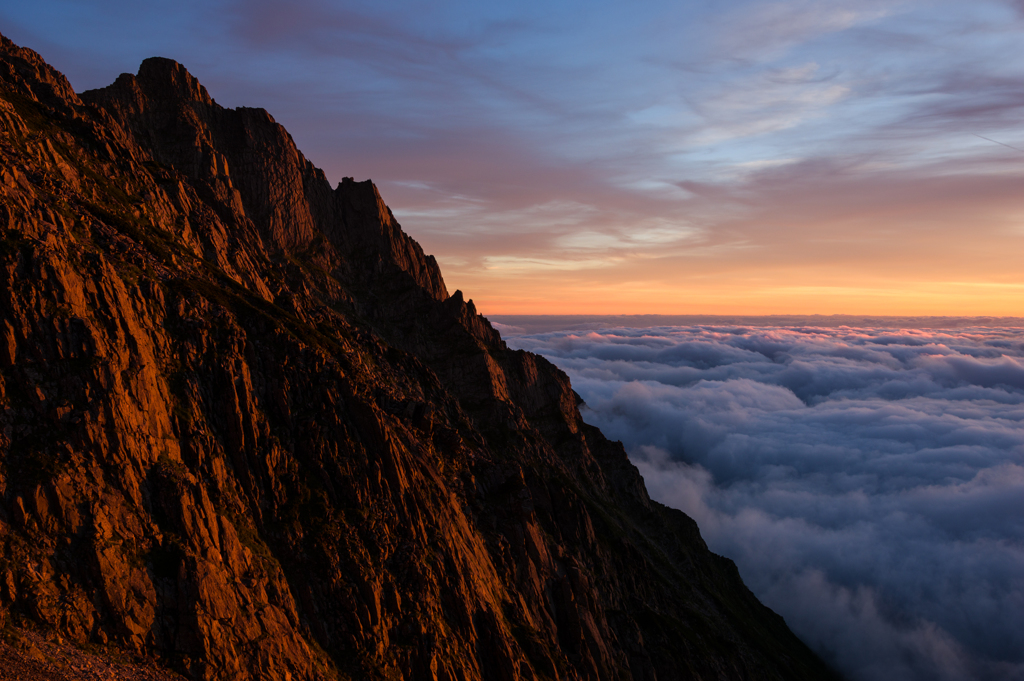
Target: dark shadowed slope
x=247, y=433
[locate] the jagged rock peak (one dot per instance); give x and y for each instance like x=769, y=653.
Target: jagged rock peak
x=252, y=165
x=166, y=76
x=24, y=72
x=366, y=222
x=242, y=158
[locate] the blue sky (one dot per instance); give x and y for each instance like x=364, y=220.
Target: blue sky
x=606, y=157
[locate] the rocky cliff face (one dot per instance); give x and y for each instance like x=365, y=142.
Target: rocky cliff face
x=246, y=433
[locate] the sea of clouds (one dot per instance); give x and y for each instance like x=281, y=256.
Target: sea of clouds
x=869, y=482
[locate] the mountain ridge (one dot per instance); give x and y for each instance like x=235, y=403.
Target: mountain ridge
x=246, y=433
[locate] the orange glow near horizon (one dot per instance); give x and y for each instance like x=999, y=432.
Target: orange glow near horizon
x=737, y=290
x=933, y=299
x=935, y=247
x=894, y=243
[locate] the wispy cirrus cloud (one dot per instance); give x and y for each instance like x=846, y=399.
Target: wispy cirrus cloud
x=763, y=31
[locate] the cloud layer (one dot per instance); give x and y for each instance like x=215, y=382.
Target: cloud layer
x=869, y=482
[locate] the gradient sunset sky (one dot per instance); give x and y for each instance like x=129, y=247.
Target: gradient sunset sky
x=686, y=157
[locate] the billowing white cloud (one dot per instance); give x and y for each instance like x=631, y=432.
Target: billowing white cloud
x=869, y=482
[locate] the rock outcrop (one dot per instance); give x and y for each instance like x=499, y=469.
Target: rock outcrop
x=246, y=433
